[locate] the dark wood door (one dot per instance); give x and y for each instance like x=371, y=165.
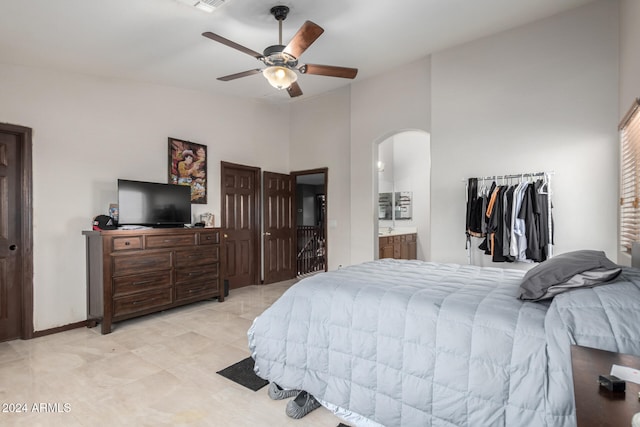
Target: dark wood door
x=240, y=212
x=15, y=235
x=279, y=228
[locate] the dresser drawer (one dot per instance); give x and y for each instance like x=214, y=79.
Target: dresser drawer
x=198, y=290
x=169, y=241
x=202, y=256
x=141, y=282
x=209, y=237
x=127, y=243
x=142, y=301
x=129, y=263
x=196, y=274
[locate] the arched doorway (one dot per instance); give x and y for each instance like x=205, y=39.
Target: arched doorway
x=402, y=188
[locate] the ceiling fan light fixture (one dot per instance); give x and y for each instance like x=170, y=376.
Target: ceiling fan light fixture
x=282, y=61
x=279, y=77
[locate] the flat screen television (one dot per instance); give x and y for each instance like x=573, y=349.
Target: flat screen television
x=153, y=204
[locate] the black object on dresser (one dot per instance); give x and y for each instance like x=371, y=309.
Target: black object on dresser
x=131, y=273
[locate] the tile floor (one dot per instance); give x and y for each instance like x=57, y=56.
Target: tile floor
x=157, y=370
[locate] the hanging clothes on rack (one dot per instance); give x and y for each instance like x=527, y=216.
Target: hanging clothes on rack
x=514, y=219
x=507, y=223
x=485, y=215
x=475, y=201
x=518, y=245
x=546, y=219
x=530, y=213
x=472, y=196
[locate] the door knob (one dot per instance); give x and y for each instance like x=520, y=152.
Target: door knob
x=13, y=247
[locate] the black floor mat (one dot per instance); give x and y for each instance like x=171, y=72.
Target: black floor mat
x=242, y=373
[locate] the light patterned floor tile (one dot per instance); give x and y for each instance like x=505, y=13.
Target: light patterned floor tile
x=157, y=370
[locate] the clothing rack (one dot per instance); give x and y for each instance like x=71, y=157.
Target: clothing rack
x=517, y=175
x=547, y=180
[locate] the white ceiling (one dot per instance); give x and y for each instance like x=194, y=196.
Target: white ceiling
x=160, y=42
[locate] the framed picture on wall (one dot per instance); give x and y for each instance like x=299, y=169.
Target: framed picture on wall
x=188, y=166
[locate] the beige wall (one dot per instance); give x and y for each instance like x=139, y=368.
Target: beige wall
x=629, y=53
x=541, y=97
x=87, y=132
x=320, y=138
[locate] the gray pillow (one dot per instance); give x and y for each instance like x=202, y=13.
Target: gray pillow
x=567, y=271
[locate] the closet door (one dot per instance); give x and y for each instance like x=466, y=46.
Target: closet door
x=16, y=241
x=241, y=223
x=279, y=227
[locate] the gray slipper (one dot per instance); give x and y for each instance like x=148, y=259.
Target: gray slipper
x=278, y=393
x=301, y=405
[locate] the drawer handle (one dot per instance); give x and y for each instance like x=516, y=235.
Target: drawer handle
x=127, y=243
x=144, y=282
x=146, y=300
x=146, y=262
x=195, y=273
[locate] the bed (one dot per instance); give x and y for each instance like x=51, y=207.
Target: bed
x=412, y=343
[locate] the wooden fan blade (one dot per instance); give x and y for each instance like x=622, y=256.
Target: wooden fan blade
x=234, y=45
x=305, y=36
x=238, y=75
x=294, y=90
x=329, y=70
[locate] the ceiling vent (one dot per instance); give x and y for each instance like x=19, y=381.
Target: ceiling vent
x=205, y=5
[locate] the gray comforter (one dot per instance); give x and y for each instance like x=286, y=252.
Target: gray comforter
x=409, y=343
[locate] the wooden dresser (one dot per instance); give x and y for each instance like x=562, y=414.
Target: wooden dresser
x=131, y=273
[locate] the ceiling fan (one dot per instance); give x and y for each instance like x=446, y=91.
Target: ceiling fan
x=282, y=61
